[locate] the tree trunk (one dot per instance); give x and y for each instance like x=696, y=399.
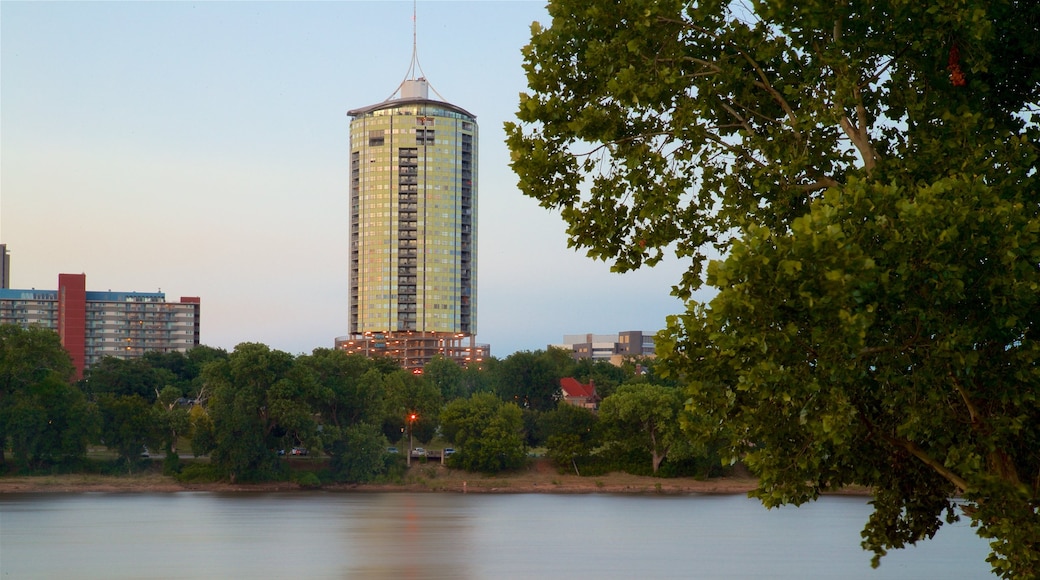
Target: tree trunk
x=658, y=458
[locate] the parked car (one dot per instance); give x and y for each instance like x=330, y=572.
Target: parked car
x=419, y=451
x=391, y=450
x=448, y=451
x=298, y=451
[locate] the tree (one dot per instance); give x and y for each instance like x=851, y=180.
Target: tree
x=351, y=399
x=127, y=425
x=127, y=377
x=49, y=424
x=529, y=379
x=171, y=418
x=446, y=375
x=200, y=356
x=409, y=395
x=487, y=433
x=477, y=378
x=349, y=387
x=869, y=171
x=185, y=368
x=645, y=416
x=43, y=417
x=574, y=433
x=534, y=427
x=203, y=436
x=603, y=374
x=181, y=368
x=358, y=453
x=259, y=405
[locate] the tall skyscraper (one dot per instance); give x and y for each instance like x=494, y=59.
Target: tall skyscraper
x=413, y=229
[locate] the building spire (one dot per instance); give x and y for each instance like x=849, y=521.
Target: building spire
x=415, y=40
x=414, y=86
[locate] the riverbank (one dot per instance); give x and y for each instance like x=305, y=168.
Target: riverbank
x=540, y=477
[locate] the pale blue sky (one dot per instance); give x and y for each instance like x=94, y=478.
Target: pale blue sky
x=202, y=149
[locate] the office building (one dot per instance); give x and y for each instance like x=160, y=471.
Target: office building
x=93, y=325
x=413, y=230
x=609, y=347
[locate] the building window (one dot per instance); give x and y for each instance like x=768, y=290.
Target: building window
x=424, y=137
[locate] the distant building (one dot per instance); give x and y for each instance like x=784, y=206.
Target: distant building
x=609, y=347
x=579, y=394
x=413, y=229
x=93, y=325
x=5, y=267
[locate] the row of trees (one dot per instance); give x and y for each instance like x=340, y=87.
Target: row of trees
x=241, y=409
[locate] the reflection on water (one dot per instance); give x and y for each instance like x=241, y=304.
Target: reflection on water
x=411, y=536
x=405, y=535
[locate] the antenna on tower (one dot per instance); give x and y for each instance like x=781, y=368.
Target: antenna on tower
x=412, y=85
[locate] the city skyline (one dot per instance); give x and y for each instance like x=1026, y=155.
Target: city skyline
x=202, y=149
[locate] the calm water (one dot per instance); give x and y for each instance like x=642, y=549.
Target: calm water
x=402, y=535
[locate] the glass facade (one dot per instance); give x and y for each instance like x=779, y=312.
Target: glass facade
x=413, y=207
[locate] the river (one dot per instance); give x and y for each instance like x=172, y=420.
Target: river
x=317, y=535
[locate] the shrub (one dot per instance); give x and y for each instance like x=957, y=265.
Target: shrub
x=199, y=473
x=171, y=464
x=308, y=480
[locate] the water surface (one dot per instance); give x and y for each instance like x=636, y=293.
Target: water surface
x=203, y=535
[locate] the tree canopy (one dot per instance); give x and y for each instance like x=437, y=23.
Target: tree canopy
x=574, y=434
x=532, y=379
x=646, y=416
x=868, y=172
x=259, y=405
x=43, y=418
x=486, y=431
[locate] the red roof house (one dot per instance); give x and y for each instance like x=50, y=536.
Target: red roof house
x=578, y=394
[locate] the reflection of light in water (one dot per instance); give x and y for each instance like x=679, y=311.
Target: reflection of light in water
x=401, y=535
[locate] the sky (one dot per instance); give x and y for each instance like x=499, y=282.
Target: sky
x=202, y=149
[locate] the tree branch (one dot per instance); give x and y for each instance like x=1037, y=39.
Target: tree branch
x=822, y=183
x=997, y=461
x=861, y=142
x=736, y=115
x=973, y=411
x=763, y=80
x=958, y=481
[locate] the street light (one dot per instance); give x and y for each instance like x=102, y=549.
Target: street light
x=411, y=423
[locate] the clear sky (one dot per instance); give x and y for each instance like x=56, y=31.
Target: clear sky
x=201, y=149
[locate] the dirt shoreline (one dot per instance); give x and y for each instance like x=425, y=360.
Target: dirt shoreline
x=420, y=478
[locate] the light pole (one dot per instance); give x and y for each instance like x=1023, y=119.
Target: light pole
x=411, y=423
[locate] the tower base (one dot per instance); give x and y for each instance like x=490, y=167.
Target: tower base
x=412, y=350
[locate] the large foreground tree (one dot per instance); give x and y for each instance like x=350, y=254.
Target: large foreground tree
x=869, y=172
